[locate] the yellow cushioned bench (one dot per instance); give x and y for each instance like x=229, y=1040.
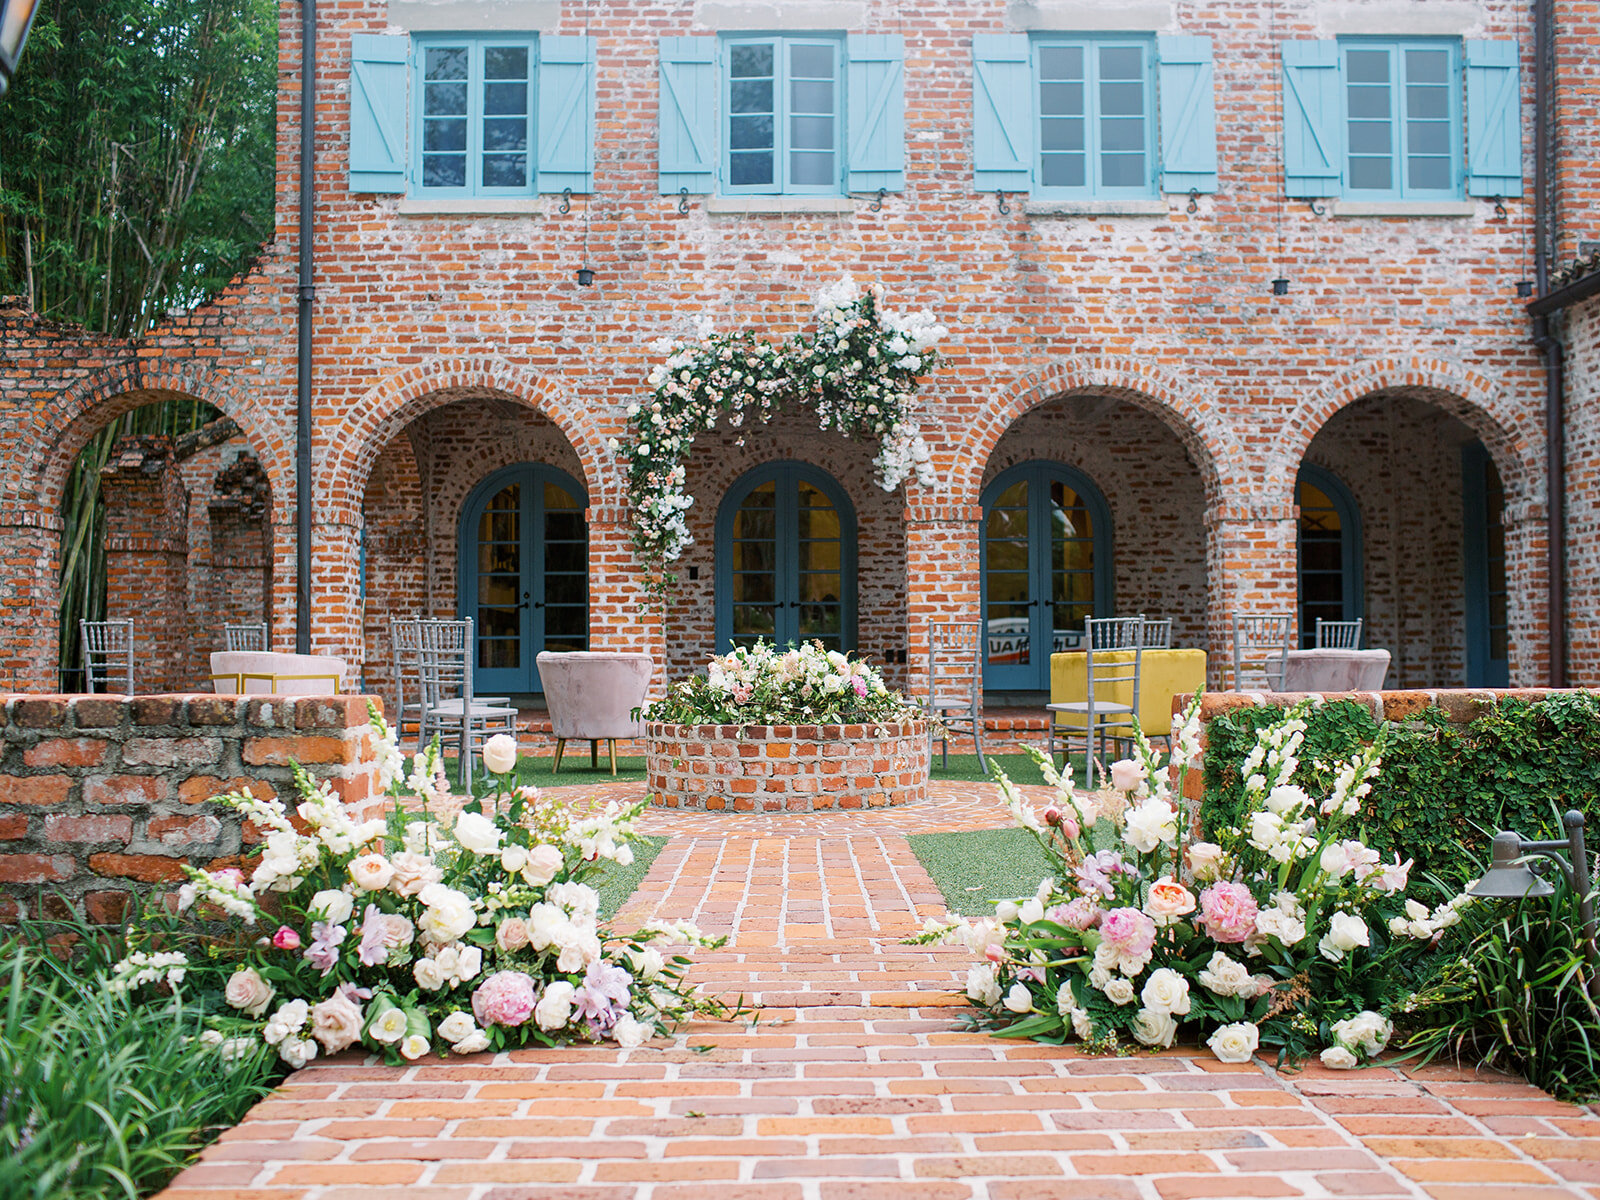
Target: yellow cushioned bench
x=1163, y=674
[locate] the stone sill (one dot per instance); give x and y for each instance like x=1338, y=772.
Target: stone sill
x=1403, y=208
x=1096, y=208
x=734, y=205
x=470, y=206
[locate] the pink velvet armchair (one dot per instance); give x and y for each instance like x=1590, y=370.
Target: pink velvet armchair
x=594, y=695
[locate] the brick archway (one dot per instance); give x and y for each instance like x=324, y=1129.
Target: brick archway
x=399, y=399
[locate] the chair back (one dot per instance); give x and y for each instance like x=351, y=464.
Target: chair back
x=595, y=694
x=405, y=641
x=444, y=666
x=107, y=655
x=1338, y=635
x=955, y=664
x=1261, y=651
x=248, y=636
x=1157, y=633
x=1112, y=673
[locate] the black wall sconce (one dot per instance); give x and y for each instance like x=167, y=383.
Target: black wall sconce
x=1524, y=288
x=1280, y=286
x=585, y=277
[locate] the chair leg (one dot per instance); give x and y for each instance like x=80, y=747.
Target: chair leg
x=594, y=753
x=977, y=740
x=613, y=742
x=561, y=744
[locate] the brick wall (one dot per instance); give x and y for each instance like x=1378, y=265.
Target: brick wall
x=1580, y=329
x=1172, y=312
x=105, y=796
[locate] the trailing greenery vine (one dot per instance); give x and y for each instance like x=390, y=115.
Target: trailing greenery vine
x=1445, y=787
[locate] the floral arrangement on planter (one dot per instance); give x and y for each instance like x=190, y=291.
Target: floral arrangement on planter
x=430, y=929
x=759, y=685
x=859, y=370
x=1286, y=931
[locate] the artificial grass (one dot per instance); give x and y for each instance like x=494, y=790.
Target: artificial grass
x=977, y=867
x=616, y=882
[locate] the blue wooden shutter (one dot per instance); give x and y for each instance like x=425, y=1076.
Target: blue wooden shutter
x=1188, y=115
x=566, y=114
x=1313, y=119
x=875, y=128
x=687, y=116
x=378, y=112
x=1002, y=112
x=1494, y=119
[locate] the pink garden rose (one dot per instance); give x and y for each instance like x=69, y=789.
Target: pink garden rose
x=1228, y=912
x=1128, y=931
x=505, y=998
x=1168, y=900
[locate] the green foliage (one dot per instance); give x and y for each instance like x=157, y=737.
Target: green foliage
x=1444, y=788
x=1508, y=990
x=103, y=1095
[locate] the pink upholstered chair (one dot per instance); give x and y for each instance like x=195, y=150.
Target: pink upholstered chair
x=595, y=695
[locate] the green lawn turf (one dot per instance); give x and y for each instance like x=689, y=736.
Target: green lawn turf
x=977, y=867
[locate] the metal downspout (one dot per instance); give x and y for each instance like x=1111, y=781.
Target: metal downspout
x=1549, y=345
x=307, y=294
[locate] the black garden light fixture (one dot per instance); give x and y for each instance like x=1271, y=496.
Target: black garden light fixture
x=1510, y=878
x=15, y=18
x=1280, y=286
x=1524, y=288
x=585, y=277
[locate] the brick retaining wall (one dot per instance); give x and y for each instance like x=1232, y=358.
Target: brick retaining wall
x=102, y=796
x=786, y=768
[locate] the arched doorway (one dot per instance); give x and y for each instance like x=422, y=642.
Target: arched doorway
x=1046, y=566
x=524, y=572
x=786, y=560
x=1329, y=552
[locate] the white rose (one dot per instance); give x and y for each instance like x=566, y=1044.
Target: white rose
x=478, y=833
x=1126, y=775
x=248, y=991
x=1119, y=990
x=1019, y=999
x=1368, y=1032
x=333, y=905
x=629, y=1033
x=1166, y=991
x=297, y=1052
x=472, y=1043
x=456, y=1026
x=469, y=963
x=982, y=988
x=1152, y=823
x=1235, y=1043
x=543, y=862
x=1286, y=927
x=513, y=859
x=413, y=1046
x=389, y=1026
x=449, y=913
x=1338, y=1058
x=1334, y=860
x=547, y=925
x=1154, y=1028
x=1030, y=911
x=646, y=964
x=371, y=872
x=500, y=754
x=1006, y=911
x=429, y=975
x=555, y=1006
x=1205, y=860
x=1346, y=931
x=1224, y=976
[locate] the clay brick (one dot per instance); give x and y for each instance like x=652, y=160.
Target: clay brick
x=179, y=832
x=124, y=789
x=66, y=752
x=96, y=713
x=95, y=827
x=40, y=713
x=213, y=710
x=107, y=908
x=35, y=789
x=146, y=868
x=13, y=826
x=198, y=789
x=36, y=868
x=280, y=752
x=171, y=752
x=156, y=710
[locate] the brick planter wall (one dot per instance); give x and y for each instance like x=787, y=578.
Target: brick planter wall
x=786, y=768
x=103, y=796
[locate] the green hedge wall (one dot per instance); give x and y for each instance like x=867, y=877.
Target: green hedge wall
x=1444, y=788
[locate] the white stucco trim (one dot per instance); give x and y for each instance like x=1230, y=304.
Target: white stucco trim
x=1087, y=16
x=1436, y=18
x=732, y=16
x=468, y=16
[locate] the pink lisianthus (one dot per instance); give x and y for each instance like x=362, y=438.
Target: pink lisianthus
x=1228, y=912
x=286, y=938
x=859, y=685
x=1128, y=931
x=505, y=998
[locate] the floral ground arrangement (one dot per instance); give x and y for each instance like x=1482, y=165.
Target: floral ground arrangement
x=760, y=685
x=1285, y=932
x=431, y=929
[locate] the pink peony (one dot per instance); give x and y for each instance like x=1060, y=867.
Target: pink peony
x=1228, y=912
x=286, y=938
x=1128, y=931
x=1082, y=913
x=505, y=998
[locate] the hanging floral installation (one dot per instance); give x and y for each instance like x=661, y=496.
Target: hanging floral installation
x=860, y=371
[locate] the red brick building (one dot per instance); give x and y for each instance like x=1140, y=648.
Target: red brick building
x=1095, y=198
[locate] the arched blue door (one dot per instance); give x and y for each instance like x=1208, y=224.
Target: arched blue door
x=1046, y=567
x=786, y=560
x=1329, y=551
x=524, y=572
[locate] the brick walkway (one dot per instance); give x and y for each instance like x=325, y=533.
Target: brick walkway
x=857, y=1084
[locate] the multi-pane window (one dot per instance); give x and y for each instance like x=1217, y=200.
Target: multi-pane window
x=1402, y=119
x=475, y=99
x=1095, y=106
x=782, y=106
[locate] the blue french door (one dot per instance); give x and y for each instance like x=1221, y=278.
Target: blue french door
x=786, y=549
x=524, y=547
x=1046, y=567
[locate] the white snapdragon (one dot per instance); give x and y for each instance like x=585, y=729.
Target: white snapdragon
x=140, y=968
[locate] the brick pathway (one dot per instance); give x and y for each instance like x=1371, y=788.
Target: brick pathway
x=857, y=1084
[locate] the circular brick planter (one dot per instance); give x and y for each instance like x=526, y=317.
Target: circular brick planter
x=786, y=768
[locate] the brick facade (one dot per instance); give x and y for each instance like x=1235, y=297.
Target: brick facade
x=105, y=797
x=1146, y=350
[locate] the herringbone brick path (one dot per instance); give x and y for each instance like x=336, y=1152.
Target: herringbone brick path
x=858, y=1084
